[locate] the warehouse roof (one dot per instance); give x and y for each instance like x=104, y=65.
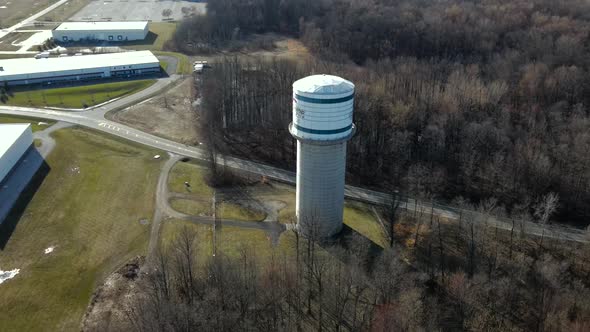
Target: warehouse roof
x=90, y=26
x=9, y=133
x=25, y=66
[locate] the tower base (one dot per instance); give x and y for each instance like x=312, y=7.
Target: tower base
x=321, y=170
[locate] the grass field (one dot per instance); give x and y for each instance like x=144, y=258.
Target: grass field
x=159, y=34
x=193, y=174
x=63, y=12
x=88, y=207
x=203, y=235
x=228, y=210
x=78, y=96
x=287, y=214
x=231, y=241
x=164, y=65
x=184, y=64
x=35, y=126
x=14, y=56
x=359, y=217
x=191, y=207
x=16, y=11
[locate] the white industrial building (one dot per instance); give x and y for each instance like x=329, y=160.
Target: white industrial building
x=15, y=140
x=103, y=31
x=77, y=68
x=322, y=125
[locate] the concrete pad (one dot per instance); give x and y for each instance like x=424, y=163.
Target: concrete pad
x=36, y=39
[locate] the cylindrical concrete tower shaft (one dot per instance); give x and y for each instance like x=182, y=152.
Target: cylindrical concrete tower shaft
x=322, y=124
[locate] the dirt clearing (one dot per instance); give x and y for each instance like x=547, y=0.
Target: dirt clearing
x=169, y=116
x=110, y=301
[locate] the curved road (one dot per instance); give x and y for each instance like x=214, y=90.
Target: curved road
x=95, y=119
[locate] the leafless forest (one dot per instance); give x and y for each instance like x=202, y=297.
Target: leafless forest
x=472, y=99
x=432, y=277
x=483, y=104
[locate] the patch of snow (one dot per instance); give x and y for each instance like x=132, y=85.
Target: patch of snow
x=5, y=275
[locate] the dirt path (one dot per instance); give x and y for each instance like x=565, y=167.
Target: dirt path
x=161, y=204
x=47, y=142
x=163, y=210
x=169, y=115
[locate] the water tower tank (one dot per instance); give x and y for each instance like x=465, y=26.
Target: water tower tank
x=322, y=124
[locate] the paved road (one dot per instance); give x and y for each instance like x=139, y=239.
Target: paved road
x=163, y=209
x=94, y=119
x=31, y=18
x=161, y=205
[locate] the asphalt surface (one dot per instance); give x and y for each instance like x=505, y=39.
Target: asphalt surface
x=161, y=205
x=135, y=10
x=95, y=119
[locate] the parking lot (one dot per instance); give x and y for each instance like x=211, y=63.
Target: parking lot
x=138, y=10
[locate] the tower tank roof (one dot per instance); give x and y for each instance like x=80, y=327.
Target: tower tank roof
x=323, y=85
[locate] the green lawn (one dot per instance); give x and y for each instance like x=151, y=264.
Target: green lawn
x=361, y=218
x=231, y=241
x=184, y=64
x=164, y=65
x=287, y=214
x=78, y=96
x=14, y=56
x=159, y=34
x=193, y=174
x=35, y=126
x=171, y=228
x=227, y=210
x=88, y=207
x=195, y=207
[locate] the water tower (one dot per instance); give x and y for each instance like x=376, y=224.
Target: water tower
x=322, y=124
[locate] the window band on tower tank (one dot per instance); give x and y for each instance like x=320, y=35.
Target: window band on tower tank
x=323, y=132
x=324, y=101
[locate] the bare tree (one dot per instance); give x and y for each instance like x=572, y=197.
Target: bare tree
x=391, y=217
x=543, y=211
x=167, y=12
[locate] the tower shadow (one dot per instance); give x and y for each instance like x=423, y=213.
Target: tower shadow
x=350, y=246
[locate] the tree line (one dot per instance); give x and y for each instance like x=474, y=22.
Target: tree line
x=433, y=134
x=432, y=276
x=455, y=98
